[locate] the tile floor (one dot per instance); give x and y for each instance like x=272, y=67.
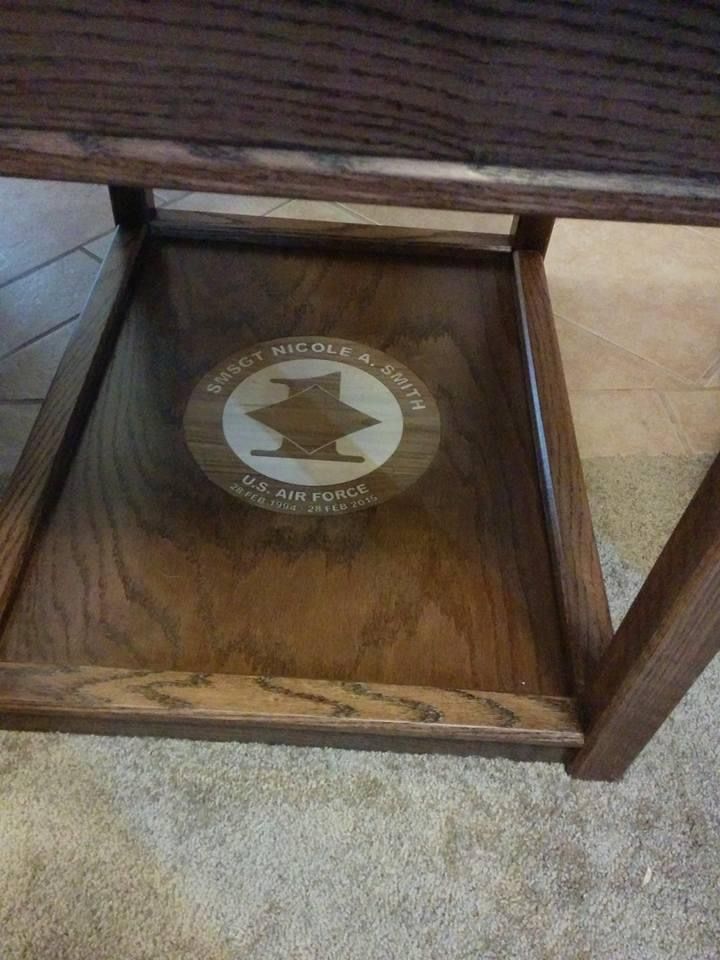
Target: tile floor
x=637, y=309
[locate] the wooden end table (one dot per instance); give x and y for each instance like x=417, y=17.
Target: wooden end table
x=318, y=483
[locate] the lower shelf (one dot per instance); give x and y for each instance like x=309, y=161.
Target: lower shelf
x=247, y=502
x=284, y=710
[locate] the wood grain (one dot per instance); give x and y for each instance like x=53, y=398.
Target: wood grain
x=551, y=85
x=146, y=564
x=56, y=434
x=217, y=704
x=668, y=637
x=315, y=234
x=134, y=161
x=586, y=617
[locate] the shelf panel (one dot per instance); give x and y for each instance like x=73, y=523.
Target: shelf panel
x=145, y=564
x=220, y=707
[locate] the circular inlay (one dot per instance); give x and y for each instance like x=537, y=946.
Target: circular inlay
x=312, y=425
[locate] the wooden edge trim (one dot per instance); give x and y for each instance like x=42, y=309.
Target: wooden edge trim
x=225, y=168
x=579, y=579
x=223, y=702
x=179, y=224
x=53, y=439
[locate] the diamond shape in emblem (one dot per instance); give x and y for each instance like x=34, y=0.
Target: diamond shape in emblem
x=311, y=419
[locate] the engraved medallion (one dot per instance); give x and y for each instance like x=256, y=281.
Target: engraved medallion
x=312, y=425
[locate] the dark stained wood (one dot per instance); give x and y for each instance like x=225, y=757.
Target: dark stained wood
x=586, y=617
x=314, y=234
x=146, y=564
x=57, y=431
x=131, y=206
x=547, y=109
x=415, y=183
x=532, y=233
x=550, y=85
x=216, y=705
x=668, y=637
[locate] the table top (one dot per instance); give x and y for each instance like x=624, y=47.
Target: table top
x=577, y=109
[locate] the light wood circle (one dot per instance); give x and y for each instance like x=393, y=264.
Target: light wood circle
x=312, y=425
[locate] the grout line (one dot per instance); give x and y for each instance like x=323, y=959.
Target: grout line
x=693, y=384
x=40, y=266
x=282, y=203
x=675, y=421
x=23, y=400
x=169, y=203
x=711, y=371
x=708, y=252
x=38, y=337
x=358, y=213
x=81, y=247
x=47, y=263
x=713, y=236
x=93, y=256
x=273, y=209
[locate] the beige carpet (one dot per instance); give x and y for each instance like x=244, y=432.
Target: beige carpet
x=128, y=849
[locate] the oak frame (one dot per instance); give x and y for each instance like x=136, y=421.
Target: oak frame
x=93, y=699
x=637, y=674
x=540, y=142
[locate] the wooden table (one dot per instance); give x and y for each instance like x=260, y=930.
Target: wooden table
x=410, y=563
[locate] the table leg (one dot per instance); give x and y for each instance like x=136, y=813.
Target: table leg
x=669, y=635
x=530, y=232
x=131, y=206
